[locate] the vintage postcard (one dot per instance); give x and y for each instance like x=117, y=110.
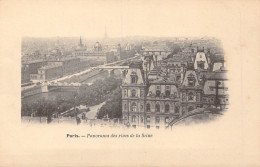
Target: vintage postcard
x=130, y=83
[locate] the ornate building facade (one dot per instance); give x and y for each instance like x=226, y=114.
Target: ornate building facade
x=156, y=93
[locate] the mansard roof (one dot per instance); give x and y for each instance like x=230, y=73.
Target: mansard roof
x=180, y=58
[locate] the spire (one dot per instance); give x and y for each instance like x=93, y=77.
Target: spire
x=80, y=41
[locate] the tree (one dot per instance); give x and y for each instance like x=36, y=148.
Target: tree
x=113, y=106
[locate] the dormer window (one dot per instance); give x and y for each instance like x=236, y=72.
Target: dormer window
x=201, y=64
x=191, y=80
x=134, y=77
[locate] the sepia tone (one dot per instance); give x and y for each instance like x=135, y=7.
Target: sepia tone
x=129, y=83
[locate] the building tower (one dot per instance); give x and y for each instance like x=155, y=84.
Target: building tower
x=80, y=42
x=133, y=96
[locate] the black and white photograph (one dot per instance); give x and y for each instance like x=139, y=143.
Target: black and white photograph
x=129, y=83
x=133, y=82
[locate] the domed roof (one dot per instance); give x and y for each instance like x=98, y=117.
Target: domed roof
x=97, y=46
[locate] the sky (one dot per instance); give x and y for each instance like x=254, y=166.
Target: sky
x=121, y=18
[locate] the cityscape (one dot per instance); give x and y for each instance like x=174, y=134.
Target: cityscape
x=131, y=82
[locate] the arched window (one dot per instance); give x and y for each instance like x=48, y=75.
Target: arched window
x=157, y=108
x=134, y=77
x=167, y=108
x=148, y=119
x=148, y=107
x=158, y=93
x=133, y=93
x=190, y=96
x=133, y=107
x=167, y=93
x=133, y=118
x=125, y=93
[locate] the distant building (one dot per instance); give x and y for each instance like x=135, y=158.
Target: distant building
x=97, y=47
x=25, y=75
x=33, y=66
x=69, y=65
x=50, y=72
x=80, y=50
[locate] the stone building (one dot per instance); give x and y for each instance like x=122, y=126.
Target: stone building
x=215, y=90
x=201, y=61
x=154, y=94
x=133, y=96
x=190, y=92
x=49, y=72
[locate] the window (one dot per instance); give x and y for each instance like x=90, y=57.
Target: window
x=148, y=107
x=158, y=93
x=175, y=94
x=167, y=87
x=125, y=92
x=177, y=109
x=148, y=119
x=142, y=107
x=133, y=118
x=157, y=108
x=148, y=126
x=133, y=107
x=142, y=119
x=191, y=80
x=125, y=107
x=191, y=96
x=167, y=108
x=133, y=93
x=157, y=119
x=167, y=93
x=134, y=77
x=141, y=93
x=158, y=87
